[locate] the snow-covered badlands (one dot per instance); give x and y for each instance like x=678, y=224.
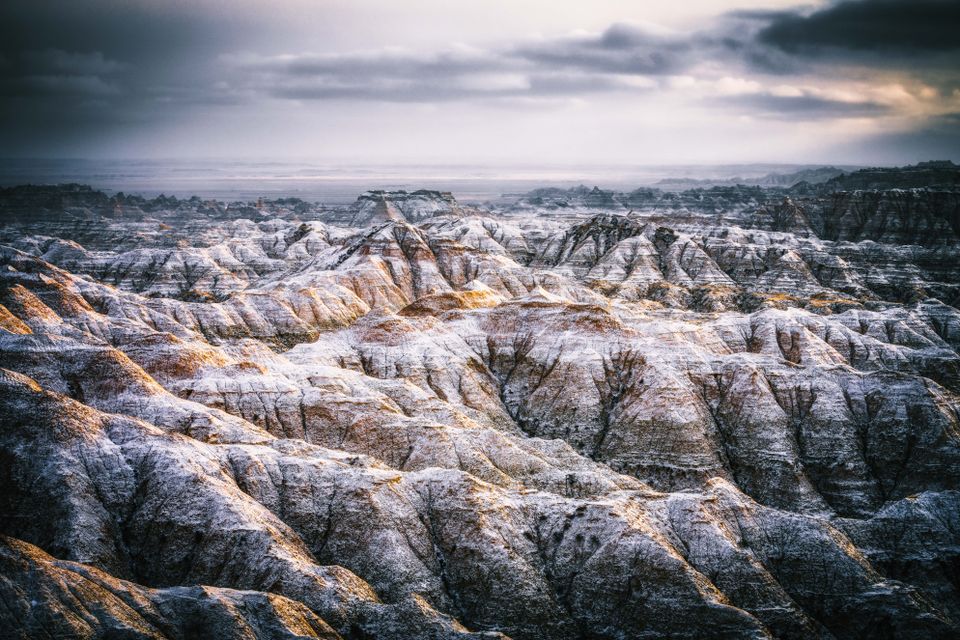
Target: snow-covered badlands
x=727, y=412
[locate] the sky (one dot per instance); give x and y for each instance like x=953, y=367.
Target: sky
x=522, y=82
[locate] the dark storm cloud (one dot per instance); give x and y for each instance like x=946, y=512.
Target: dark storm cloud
x=918, y=38
x=66, y=85
x=59, y=61
x=54, y=72
x=72, y=73
x=893, y=26
x=137, y=45
x=140, y=31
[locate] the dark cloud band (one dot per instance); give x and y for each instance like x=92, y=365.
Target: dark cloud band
x=899, y=26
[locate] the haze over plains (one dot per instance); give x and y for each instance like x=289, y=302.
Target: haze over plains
x=493, y=82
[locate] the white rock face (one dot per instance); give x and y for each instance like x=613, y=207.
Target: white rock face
x=409, y=418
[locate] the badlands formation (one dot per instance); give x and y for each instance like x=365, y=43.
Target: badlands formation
x=725, y=412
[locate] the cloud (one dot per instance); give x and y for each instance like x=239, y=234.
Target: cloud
x=629, y=57
x=71, y=63
x=622, y=48
x=615, y=60
x=66, y=85
x=54, y=72
x=805, y=106
x=83, y=71
x=915, y=38
x=377, y=63
x=897, y=26
x=393, y=75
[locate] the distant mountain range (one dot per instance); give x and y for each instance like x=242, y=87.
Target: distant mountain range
x=932, y=174
x=814, y=175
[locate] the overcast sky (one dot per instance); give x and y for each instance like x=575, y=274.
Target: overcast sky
x=493, y=81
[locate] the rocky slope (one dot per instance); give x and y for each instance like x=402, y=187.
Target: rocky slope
x=736, y=416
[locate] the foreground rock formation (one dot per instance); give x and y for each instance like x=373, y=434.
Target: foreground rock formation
x=412, y=418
